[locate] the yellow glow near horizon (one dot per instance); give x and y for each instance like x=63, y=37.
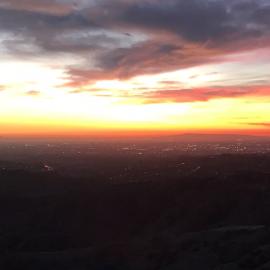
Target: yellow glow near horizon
x=115, y=105
x=85, y=116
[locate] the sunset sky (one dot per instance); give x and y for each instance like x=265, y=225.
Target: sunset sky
x=106, y=67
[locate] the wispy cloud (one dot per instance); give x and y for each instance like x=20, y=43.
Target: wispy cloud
x=201, y=94
x=176, y=33
x=262, y=124
x=32, y=93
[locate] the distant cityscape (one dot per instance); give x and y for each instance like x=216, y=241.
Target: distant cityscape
x=125, y=161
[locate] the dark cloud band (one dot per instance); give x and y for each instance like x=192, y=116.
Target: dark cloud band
x=125, y=38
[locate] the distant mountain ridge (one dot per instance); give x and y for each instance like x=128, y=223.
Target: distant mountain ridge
x=217, y=137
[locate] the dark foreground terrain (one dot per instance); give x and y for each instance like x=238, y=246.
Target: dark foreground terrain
x=136, y=212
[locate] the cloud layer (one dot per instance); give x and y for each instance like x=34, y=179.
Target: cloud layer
x=120, y=39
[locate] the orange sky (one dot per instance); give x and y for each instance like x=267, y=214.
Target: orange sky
x=69, y=70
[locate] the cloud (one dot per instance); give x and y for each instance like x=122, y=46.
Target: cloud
x=200, y=94
x=169, y=93
x=149, y=57
x=32, y=32
x=180, y=34
x=126, y=38
x=32, y=93
x=262, y=124
x=44, y=6
x=215, y=21
x=208, y=20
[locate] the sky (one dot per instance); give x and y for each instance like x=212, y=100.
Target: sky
x=134, y=67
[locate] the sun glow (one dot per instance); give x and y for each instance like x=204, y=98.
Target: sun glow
x=88, y=67
x=36, y=100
